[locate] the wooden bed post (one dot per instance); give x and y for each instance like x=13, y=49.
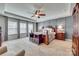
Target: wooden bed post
x=75, y=36
x=0, y=37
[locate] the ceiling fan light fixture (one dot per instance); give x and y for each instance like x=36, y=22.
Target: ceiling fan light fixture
x=36, y=15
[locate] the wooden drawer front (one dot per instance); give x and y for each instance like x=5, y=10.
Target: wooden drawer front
x=60, y=36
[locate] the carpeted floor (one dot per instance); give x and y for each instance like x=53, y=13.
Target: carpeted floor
x=55, y=48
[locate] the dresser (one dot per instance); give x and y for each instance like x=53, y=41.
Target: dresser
x=60, y=36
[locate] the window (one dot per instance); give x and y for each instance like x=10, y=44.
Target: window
x=12, y=27
x=30, y=27
x=18, y=28
x=23, y=28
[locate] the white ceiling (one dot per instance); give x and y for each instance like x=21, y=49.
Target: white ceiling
x=52, y=10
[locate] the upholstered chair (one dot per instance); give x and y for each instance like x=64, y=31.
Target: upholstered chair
x=3, y=50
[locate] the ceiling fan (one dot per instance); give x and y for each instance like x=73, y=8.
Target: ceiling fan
x=38, y=13
x=36, y=10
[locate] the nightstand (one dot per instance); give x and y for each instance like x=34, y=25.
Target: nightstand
x=60, y=36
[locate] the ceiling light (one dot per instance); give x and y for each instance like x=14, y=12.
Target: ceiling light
x=36, y=15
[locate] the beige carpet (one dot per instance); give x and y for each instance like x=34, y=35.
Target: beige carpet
x=55, y=48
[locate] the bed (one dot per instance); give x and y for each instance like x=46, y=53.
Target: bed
x=46, y=35
x=50, y=34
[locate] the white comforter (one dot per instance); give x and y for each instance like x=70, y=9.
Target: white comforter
x=51, y=36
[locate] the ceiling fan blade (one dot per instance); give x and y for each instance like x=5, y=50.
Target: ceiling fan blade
x=42, y=14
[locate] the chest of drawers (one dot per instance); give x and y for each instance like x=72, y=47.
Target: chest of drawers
x=60, y=36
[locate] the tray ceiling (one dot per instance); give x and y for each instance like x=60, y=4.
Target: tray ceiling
x=52, y=10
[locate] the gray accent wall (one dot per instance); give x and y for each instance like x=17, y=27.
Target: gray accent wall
x=2, y=25
x=54, y=22
x=12, y=37
x=68, y=25
x=46, y=23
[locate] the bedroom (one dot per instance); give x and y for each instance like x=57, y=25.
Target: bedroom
x=27, y=26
